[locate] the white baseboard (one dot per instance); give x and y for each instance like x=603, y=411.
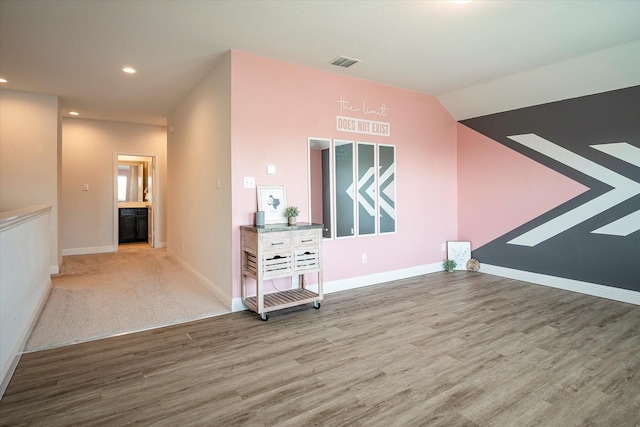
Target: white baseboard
x=602, y=291
x=10, y=368
x=54, y=269
x=238, y=305
x=206, y=283
x=594, y=289
x=98, y=250
x=89, y=250
x=362, y=281
x=375, y=279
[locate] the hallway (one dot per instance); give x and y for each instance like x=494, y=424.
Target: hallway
x=103, y=295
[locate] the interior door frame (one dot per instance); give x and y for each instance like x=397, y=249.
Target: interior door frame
x=155, y=192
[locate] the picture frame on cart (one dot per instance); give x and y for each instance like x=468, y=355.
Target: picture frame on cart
x=272, y=199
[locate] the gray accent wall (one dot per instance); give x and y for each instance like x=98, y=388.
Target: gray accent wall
x=578, y=126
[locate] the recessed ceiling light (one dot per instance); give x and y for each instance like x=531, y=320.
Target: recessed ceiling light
x=74, y=113
x=3, y=80
x=129, y=70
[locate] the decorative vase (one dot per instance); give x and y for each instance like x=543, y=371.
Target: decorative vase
x=292, y=220
x=260, y=218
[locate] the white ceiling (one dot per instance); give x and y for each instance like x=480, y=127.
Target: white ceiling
x=76, y=49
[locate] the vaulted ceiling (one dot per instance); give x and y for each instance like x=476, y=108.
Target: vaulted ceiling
x=458, y=51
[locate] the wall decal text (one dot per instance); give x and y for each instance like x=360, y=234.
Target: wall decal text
x=368, y=127
x=364, y=126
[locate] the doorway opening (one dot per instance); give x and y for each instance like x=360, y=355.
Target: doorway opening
x=135, y=200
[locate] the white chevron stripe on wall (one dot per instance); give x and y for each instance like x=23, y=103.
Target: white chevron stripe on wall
x=623, y=189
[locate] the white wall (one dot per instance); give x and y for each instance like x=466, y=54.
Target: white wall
x=24, y=280
x=30, y=156
x=88, y=149
x=199, y=150
x=610, y=69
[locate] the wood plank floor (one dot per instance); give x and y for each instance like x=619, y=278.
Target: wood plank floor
x=447, y=349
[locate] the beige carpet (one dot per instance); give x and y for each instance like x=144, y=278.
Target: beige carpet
x=102, y=295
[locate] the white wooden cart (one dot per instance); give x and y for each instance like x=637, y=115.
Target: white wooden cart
x=277, y=251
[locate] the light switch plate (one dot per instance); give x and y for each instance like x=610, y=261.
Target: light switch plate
x=271, y=169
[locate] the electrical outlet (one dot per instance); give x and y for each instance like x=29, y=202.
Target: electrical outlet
x=249, y=182
x=364, y=258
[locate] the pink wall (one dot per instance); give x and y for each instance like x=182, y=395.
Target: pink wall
x=276, y=106
x=500, y=189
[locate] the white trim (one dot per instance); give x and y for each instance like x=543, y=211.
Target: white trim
x=17, y=351
x=89, y=250
x=13, y=218
x=586, y=288
x=202, y=280
x=238, y=305
x=54, y=269
x=377, y=278
x=362, y=281
x=594, y=289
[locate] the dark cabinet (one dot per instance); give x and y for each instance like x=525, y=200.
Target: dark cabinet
x=133, y=224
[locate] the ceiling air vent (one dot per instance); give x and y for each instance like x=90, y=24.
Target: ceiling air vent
x=343, y=61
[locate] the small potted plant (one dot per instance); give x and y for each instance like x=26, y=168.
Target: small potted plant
x=449, y=265
x=291, y=212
